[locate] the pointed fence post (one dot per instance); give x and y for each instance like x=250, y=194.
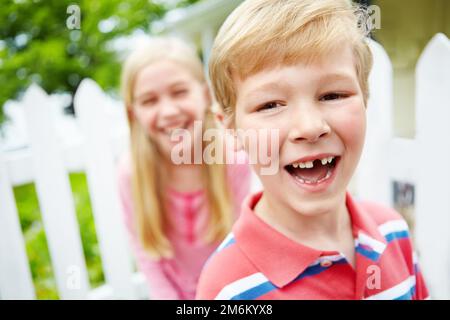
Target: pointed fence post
x=433, y=193
x=101, y=176
x=55, y=197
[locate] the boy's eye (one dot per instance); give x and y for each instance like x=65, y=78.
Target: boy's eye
x=333, y=96
x=268, y=106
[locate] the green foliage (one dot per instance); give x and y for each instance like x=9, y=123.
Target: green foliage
x=87, y=228
x=37, y=46
x=36, y=242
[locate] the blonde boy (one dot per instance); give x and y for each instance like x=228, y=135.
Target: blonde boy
x=301, y=67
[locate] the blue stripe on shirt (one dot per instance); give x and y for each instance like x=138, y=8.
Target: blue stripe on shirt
x=266, y=287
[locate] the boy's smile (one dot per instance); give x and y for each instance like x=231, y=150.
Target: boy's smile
x=319, y=111
x=315, y=172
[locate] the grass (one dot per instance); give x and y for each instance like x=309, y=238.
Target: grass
x=36, y=242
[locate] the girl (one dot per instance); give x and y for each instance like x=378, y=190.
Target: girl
x=176, y=215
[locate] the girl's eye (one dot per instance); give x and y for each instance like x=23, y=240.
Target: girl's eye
x=149, y=101
x=333, y=96
x=180, y=93
x=268, y=106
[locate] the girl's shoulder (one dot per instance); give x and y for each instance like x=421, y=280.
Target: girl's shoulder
x=123, y=166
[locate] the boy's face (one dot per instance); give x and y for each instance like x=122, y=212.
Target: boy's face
x=320, y=114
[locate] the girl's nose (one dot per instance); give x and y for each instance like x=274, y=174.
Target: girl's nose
x=307, y=124
x=168, y=109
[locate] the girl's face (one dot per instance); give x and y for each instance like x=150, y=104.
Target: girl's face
x=167, y=97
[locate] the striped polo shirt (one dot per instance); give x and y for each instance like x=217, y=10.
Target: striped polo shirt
x=256, y=261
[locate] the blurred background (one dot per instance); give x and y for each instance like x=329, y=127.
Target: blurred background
x=48, y=51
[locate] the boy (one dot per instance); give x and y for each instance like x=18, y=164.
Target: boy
x=301, y=67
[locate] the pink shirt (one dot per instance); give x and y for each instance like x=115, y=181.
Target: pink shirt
x=177, y=278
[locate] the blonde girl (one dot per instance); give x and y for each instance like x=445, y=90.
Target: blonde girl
x=176, y=215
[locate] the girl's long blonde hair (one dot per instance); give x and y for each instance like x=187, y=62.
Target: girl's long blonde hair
x=148, y=183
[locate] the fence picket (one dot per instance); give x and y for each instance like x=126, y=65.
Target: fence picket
x=369, y=184
x=433, y=198
x=55, y=198
x=15, y=277
x=101, y=176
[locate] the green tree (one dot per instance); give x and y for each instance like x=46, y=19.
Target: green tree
x=37, y=46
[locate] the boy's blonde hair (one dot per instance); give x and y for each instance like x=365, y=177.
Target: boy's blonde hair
x=148, y=182
x=267, y=33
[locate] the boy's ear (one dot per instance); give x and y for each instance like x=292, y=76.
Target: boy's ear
x=219, y=117
x=227, y=121
x=232, y=134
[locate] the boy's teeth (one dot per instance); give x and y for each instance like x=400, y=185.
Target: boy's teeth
x=310, y=164
x=314, y=181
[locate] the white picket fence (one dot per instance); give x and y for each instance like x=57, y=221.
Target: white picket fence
x=46, y=162
x=57, y=144
x=422, y=161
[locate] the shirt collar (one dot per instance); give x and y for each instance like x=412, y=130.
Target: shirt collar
x=369, y=241
x=281, y=259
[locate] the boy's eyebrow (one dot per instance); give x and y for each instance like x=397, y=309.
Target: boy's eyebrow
x=273, y=86
x=337, y=77
x=262, y=88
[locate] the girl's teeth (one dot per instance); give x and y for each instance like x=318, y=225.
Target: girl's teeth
x=324, y=161
x=172, y=130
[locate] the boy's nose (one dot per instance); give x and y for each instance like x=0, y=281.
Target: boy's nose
x=308, y=124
